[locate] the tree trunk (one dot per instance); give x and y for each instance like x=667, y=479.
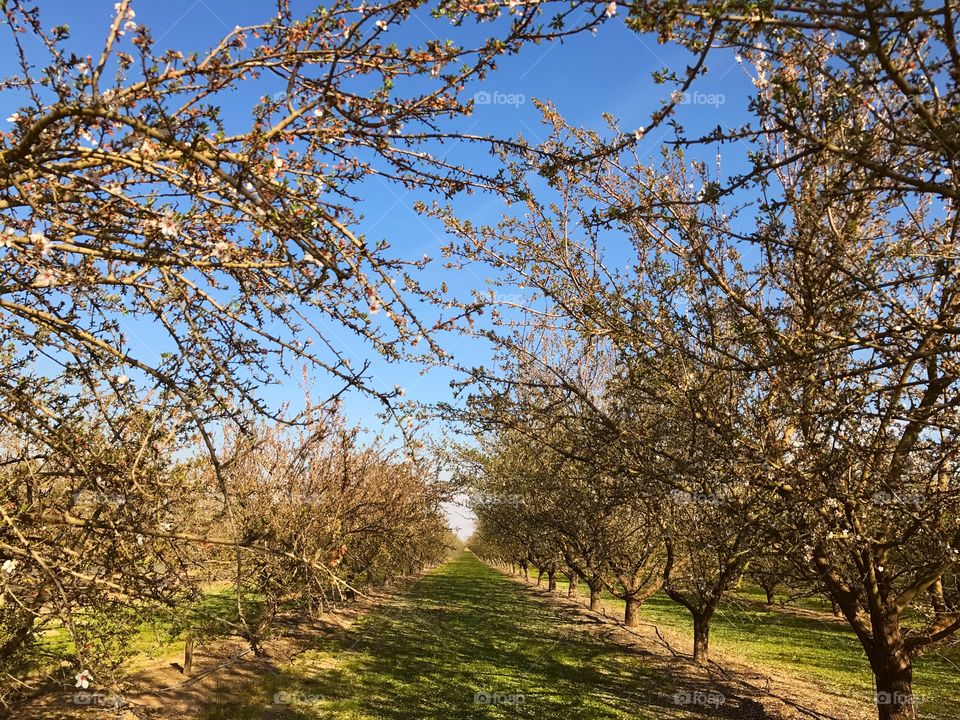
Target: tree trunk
x=892, y=670
x=769, y=592
x=595, y=590
x=572, y=585
x=631, y=612
x=552, y=580
x=539, y=576
x=526, y=572
x=701, y=637
x=17, y=637
x=894, y=680
x=188, y=655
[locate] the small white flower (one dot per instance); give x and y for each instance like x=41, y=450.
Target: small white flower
x=129, y=25
x=399, y=390
x=45, y=278
x=382, y=24
x=9, y=566
x=318, y=112
x=638, y=133
x=41, y=241
x=222, y=249
x=169, y=225
x=738, y=58
x=13, y=118
x=611, y=9
x=122, y=380
x=6, y=238
x=84, y=678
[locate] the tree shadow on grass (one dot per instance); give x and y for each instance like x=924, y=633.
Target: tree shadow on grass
x=465, y=643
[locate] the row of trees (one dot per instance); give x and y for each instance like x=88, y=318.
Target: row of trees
x=178, y=232
x=123, y=533
x=716, y=364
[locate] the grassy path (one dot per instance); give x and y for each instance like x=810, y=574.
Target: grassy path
x=460, y=635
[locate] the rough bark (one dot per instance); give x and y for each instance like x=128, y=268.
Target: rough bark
x=188, y=655
x=701, y=637
x=595, y=590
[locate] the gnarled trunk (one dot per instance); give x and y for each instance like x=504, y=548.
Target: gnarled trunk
x=701, y=637
x=892, y=670
x=631, y=612
x=552, y=580
x=572, y=585
x=596, y=588
x=895, y=691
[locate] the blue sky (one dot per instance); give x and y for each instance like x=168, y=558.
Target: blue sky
x=585, y=76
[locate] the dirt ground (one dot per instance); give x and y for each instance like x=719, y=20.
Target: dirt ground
x=774, y=693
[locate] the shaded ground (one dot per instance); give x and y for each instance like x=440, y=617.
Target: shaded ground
x=804, y=651
x=467, y=642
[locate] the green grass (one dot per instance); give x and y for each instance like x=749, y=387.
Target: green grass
x=158, y=633
x=461, y=630
x=826, y=652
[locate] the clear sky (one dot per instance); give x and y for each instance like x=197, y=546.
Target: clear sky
x=585, y=76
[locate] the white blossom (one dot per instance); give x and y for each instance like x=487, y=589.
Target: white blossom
x=169, y=226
